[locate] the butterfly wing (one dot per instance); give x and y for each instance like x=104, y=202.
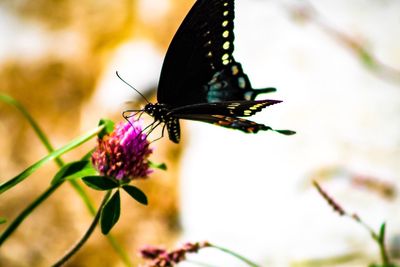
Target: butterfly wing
x=200, y=80
x=225, y=108
x=199, y=66
x=231, y=83
x=225, y=114
x=241, y=124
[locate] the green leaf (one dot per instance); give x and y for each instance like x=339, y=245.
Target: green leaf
x=35, y=126
x=73, y=170
x=136, y=194
x=161, y=166
x=382, y=233
x=23, y=175
x=110, y=213
x=99, y=182
x=3, y=220
x=108, y=127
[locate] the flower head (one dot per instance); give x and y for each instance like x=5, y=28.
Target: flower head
x=123, y=154
x=162, y=258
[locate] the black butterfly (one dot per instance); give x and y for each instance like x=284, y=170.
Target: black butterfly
x=200, y=80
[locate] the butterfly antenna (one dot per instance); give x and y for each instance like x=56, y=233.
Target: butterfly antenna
x=132, y=87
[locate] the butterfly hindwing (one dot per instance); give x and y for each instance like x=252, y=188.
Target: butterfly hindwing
x=227, y=108
x=231, y=83
x=243, y=125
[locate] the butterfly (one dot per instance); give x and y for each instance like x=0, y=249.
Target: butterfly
x=200, y=80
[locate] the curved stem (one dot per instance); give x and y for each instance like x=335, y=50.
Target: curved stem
x=78, y=188
x=84, y=196
x=236, y=255
x=35, y=126
x=24, y=214
x=86, y=236
x=23, y=175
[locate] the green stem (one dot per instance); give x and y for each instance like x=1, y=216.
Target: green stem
x=378, y=238
x=384, y=255
x=24, y=214
x=21, y=217
x=381, y=243
x=84, y=196
x=11, y=101
x=78, y=188
x=23, y=175
x=120, y=251
x=236, y=255
x=86, y=236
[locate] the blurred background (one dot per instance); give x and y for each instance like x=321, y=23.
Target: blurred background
x=336, y=67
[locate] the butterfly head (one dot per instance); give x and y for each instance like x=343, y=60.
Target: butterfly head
x=158, y=111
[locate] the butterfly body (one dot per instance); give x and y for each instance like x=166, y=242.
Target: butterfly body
x=200, y=80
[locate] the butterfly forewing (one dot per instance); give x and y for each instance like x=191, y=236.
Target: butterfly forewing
x=200, y=80
x=199, y=66
x=218, y=35
x=186, y=68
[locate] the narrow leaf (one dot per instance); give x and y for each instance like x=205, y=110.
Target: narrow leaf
x=100, y=182
x=382, y=232
x=136, y=194
x=110, y=213
x=3, y=220
x=161, y=166
x=23, y=175
x=35, y=126
x=74, y=170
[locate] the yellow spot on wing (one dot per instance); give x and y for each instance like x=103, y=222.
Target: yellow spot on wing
x=235, y=70
x=226, y=45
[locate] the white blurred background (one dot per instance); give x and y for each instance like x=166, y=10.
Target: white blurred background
x=253, y=193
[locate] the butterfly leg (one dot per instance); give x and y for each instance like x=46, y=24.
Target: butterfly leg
x=131, y=113
x=151, y=126
x=162, y=133
x=127, y=114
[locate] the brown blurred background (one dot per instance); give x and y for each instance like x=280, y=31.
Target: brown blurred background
x=54, y=79
x=336, y=67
